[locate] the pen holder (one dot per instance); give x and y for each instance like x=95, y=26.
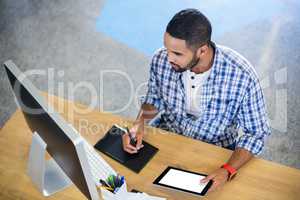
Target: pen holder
x=121, y=192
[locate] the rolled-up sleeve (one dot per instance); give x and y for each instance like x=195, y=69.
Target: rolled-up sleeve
x=152, y=96
x=252, y=118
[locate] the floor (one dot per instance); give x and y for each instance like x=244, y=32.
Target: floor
x=85, y=46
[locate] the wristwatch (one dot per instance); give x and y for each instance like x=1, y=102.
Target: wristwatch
x=231, y=171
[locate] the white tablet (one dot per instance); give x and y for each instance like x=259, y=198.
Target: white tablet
x=183, y=180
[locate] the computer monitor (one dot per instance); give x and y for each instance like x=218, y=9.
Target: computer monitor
x=63, y=143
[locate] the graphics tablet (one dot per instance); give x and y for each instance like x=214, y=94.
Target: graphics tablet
x=111, y=145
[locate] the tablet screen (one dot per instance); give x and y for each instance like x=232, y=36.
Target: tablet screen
x=183, y=180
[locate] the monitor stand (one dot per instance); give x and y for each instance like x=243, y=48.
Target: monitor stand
x=46, y=175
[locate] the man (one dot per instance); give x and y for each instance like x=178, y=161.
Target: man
x=207, y=92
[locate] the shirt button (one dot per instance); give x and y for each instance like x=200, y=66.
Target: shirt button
x=192, y=77
x=193, y=86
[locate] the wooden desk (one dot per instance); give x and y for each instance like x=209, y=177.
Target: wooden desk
x=259, y=179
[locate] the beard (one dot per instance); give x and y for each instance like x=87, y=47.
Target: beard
x=189, y=66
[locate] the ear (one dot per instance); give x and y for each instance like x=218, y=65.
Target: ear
x=202, y=50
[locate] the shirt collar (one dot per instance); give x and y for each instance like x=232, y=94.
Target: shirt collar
x=216, y=62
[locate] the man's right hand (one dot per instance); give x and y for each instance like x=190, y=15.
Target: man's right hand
x=137, y=132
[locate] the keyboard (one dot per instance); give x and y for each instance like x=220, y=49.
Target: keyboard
x=99, y=167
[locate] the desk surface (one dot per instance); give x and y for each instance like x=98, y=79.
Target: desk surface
x=259, y=179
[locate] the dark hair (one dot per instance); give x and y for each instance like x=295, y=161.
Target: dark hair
x=192, y=26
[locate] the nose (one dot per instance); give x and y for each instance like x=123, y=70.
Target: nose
x=171, y=58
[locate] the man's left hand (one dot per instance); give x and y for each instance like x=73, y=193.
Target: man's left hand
x=219, y=178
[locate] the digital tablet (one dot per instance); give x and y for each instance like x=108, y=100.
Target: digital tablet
x=183, y=180
x=111, y=145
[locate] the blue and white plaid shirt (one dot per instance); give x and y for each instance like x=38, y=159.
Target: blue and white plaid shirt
x=231, y=98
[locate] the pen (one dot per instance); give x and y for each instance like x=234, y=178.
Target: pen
x=118, y=180
x=110, y=181
x=107, y=188
x=104, y=183
x=122, y=180
x=132, y=139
